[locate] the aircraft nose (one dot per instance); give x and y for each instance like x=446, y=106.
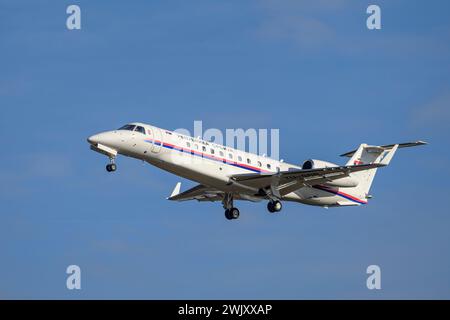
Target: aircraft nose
x=94, y=139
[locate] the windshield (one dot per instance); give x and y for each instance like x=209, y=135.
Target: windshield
x=127, y=127
x=140, y=129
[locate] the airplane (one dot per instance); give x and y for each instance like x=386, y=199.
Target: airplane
x=226, y=174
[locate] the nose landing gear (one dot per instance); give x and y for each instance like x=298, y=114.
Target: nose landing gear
x=112, y=166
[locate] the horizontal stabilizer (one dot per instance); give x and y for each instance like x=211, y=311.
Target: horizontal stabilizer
x=389, y=146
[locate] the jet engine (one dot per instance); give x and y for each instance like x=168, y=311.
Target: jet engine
x=317, y=164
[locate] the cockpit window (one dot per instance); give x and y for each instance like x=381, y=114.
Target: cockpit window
x=127, y=127
x=140, y=129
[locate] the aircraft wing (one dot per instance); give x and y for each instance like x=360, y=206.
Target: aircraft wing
x=204, y=193
x=280, y=183
x=284, y=182
x=310, y=175
x=199, y=192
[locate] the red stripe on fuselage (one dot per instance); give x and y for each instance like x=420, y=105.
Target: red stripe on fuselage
x=339, y=193
x=205, y=155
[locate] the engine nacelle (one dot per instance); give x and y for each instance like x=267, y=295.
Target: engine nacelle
x=317, y=164
x=346, y=182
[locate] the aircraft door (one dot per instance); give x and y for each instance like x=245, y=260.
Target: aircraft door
x=157, y=140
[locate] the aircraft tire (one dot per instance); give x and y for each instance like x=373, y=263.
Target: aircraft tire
x=234, y=213
x=228, y=215
x=274, y=206
x=111, y=167
x=277, y=206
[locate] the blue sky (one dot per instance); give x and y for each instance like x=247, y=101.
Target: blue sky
x=310, y=68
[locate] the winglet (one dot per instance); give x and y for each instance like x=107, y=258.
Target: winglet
x=176, y=191
x=389, y=156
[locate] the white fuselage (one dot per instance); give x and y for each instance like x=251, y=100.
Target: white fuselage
x=207, y=163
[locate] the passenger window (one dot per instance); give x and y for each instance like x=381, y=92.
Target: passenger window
x=188, y=144
x=268, y=166
x=230, y=156
x=221, y=153
x=196, y=146
x=249, y=161
x=259, y=164
x=240, y=158
x=204, y=148
x=212, y=151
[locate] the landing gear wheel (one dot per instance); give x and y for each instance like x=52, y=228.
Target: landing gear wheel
x=227, y=214
x=232, y=213
x=277, y=206
x=274, y=206
x=111, y=167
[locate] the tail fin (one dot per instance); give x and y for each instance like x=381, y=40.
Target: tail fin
x=367, y=154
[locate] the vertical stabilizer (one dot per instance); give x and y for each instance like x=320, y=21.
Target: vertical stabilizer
x=367, y=154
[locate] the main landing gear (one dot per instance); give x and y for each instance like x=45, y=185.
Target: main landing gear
x=232, y=213
x=274, y=206
x=112, y=166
